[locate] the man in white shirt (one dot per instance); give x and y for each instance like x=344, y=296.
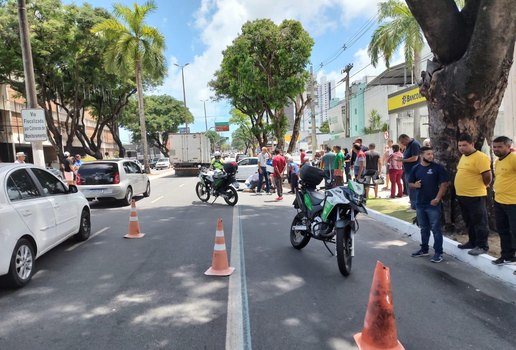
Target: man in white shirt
x=20, y=158
x=262, y=171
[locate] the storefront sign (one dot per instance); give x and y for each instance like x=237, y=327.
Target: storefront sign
x=405, y=99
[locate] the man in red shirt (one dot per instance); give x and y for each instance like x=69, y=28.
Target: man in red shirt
x=302, y=156
x=279, y=164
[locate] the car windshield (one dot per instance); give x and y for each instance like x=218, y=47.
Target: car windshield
x=163, y=160
x=97, y=173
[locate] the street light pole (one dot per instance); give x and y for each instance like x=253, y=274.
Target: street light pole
x=30, y=82
x=183, y=79
x=205, y=118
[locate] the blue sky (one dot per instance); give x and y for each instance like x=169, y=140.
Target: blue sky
x=197, y=31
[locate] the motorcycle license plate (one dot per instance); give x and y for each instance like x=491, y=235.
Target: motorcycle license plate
x=299, y=228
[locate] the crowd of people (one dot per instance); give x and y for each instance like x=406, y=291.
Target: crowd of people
x=410, y=170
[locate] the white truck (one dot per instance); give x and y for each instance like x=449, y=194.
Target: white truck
x=188, y=151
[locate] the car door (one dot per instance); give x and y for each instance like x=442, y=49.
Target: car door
x=132, y=176
x=246, y=168
x=65, y=210
x=34, y=209
x=139, y=176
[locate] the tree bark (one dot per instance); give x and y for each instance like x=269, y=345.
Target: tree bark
x=143, y=128
x=465, y=88
x=417, y=115
x=299, y=104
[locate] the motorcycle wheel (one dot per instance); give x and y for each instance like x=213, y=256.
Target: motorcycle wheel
x=231, y=197
x=202, y=192
x=344, y=250
x=298, y=239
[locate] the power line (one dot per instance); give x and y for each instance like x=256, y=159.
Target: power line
x=361, y=32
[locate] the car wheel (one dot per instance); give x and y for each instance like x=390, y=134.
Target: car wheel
x=147, y=190
x=84, y=226
x=128, y=196
x=22, y=264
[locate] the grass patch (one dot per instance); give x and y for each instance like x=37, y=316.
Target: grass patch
x=392, y=207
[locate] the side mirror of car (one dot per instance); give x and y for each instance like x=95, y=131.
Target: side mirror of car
x=72, y=189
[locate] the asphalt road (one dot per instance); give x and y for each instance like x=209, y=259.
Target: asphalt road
x=151, y=293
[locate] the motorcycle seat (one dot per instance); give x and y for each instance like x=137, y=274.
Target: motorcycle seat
x=317, y=197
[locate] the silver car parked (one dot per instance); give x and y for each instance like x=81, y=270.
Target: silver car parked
x=113, y=179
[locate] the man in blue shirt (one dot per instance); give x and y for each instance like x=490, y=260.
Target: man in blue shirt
x=430, y=180
x=410, y=160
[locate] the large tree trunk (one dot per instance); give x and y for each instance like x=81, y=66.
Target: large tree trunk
x=143, y=128
x=466, y=81
x=299, y=104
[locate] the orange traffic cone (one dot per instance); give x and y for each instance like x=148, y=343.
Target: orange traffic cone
x=134, y=226
x=219, y=262
x=379, y=330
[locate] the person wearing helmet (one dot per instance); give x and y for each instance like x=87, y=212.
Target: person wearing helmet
x=217, y=163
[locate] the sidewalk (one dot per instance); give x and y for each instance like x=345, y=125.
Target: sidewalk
x=506, y=273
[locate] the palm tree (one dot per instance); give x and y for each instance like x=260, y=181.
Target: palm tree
x=398, y=27
x=134, y=48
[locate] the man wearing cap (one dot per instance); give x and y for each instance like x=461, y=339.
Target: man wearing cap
x=20, y=158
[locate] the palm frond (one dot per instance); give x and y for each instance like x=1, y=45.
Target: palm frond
x=151, y=33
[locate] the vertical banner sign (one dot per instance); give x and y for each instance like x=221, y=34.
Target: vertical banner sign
x=34, y=124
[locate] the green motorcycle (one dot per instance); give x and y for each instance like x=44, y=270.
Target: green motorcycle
x=328, y=216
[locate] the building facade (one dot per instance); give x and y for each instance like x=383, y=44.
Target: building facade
x=325, y=93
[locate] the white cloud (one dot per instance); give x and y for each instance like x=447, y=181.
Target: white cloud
x=220, y=21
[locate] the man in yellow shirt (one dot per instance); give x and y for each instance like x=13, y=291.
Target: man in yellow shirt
x=505, y=199
x=471, y=182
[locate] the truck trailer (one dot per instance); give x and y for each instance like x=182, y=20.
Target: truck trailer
x=188, y=151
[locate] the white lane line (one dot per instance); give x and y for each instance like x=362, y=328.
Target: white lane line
x=75, y=246
x=181, y=185
x=157, y=199
x=238, y=331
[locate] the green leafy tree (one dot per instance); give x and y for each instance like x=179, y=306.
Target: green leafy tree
x=325, y=127
x=163, y=116
x=66, y=65
x=465, y=82
x=262, y=70
x=134, y=49
x=243, y=136
x=216, y=140
x=375, y=123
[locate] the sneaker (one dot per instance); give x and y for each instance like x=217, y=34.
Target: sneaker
x=410, y=210
x=258, y=193
x=279, y=198
x=269, y=193
x=477, y=251
x=437, y=258
x=419, y=253
x=504, y=261
x=467, y=245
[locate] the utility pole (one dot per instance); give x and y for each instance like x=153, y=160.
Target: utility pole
x=205, y=118
x=312, y=108
x=348, y=114
x=183, y=79
x=30, y=82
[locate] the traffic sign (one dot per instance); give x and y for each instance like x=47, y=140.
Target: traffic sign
x=34, y=124
x=221, y=126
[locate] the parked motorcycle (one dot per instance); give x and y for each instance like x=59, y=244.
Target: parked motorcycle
x=218, y=183
x=328, y=216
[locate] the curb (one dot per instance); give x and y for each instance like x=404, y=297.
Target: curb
x=482, y=262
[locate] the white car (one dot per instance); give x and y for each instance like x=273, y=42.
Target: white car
x=162, y=163
x=247, y=167
x=113, y=179
x=37, y=212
